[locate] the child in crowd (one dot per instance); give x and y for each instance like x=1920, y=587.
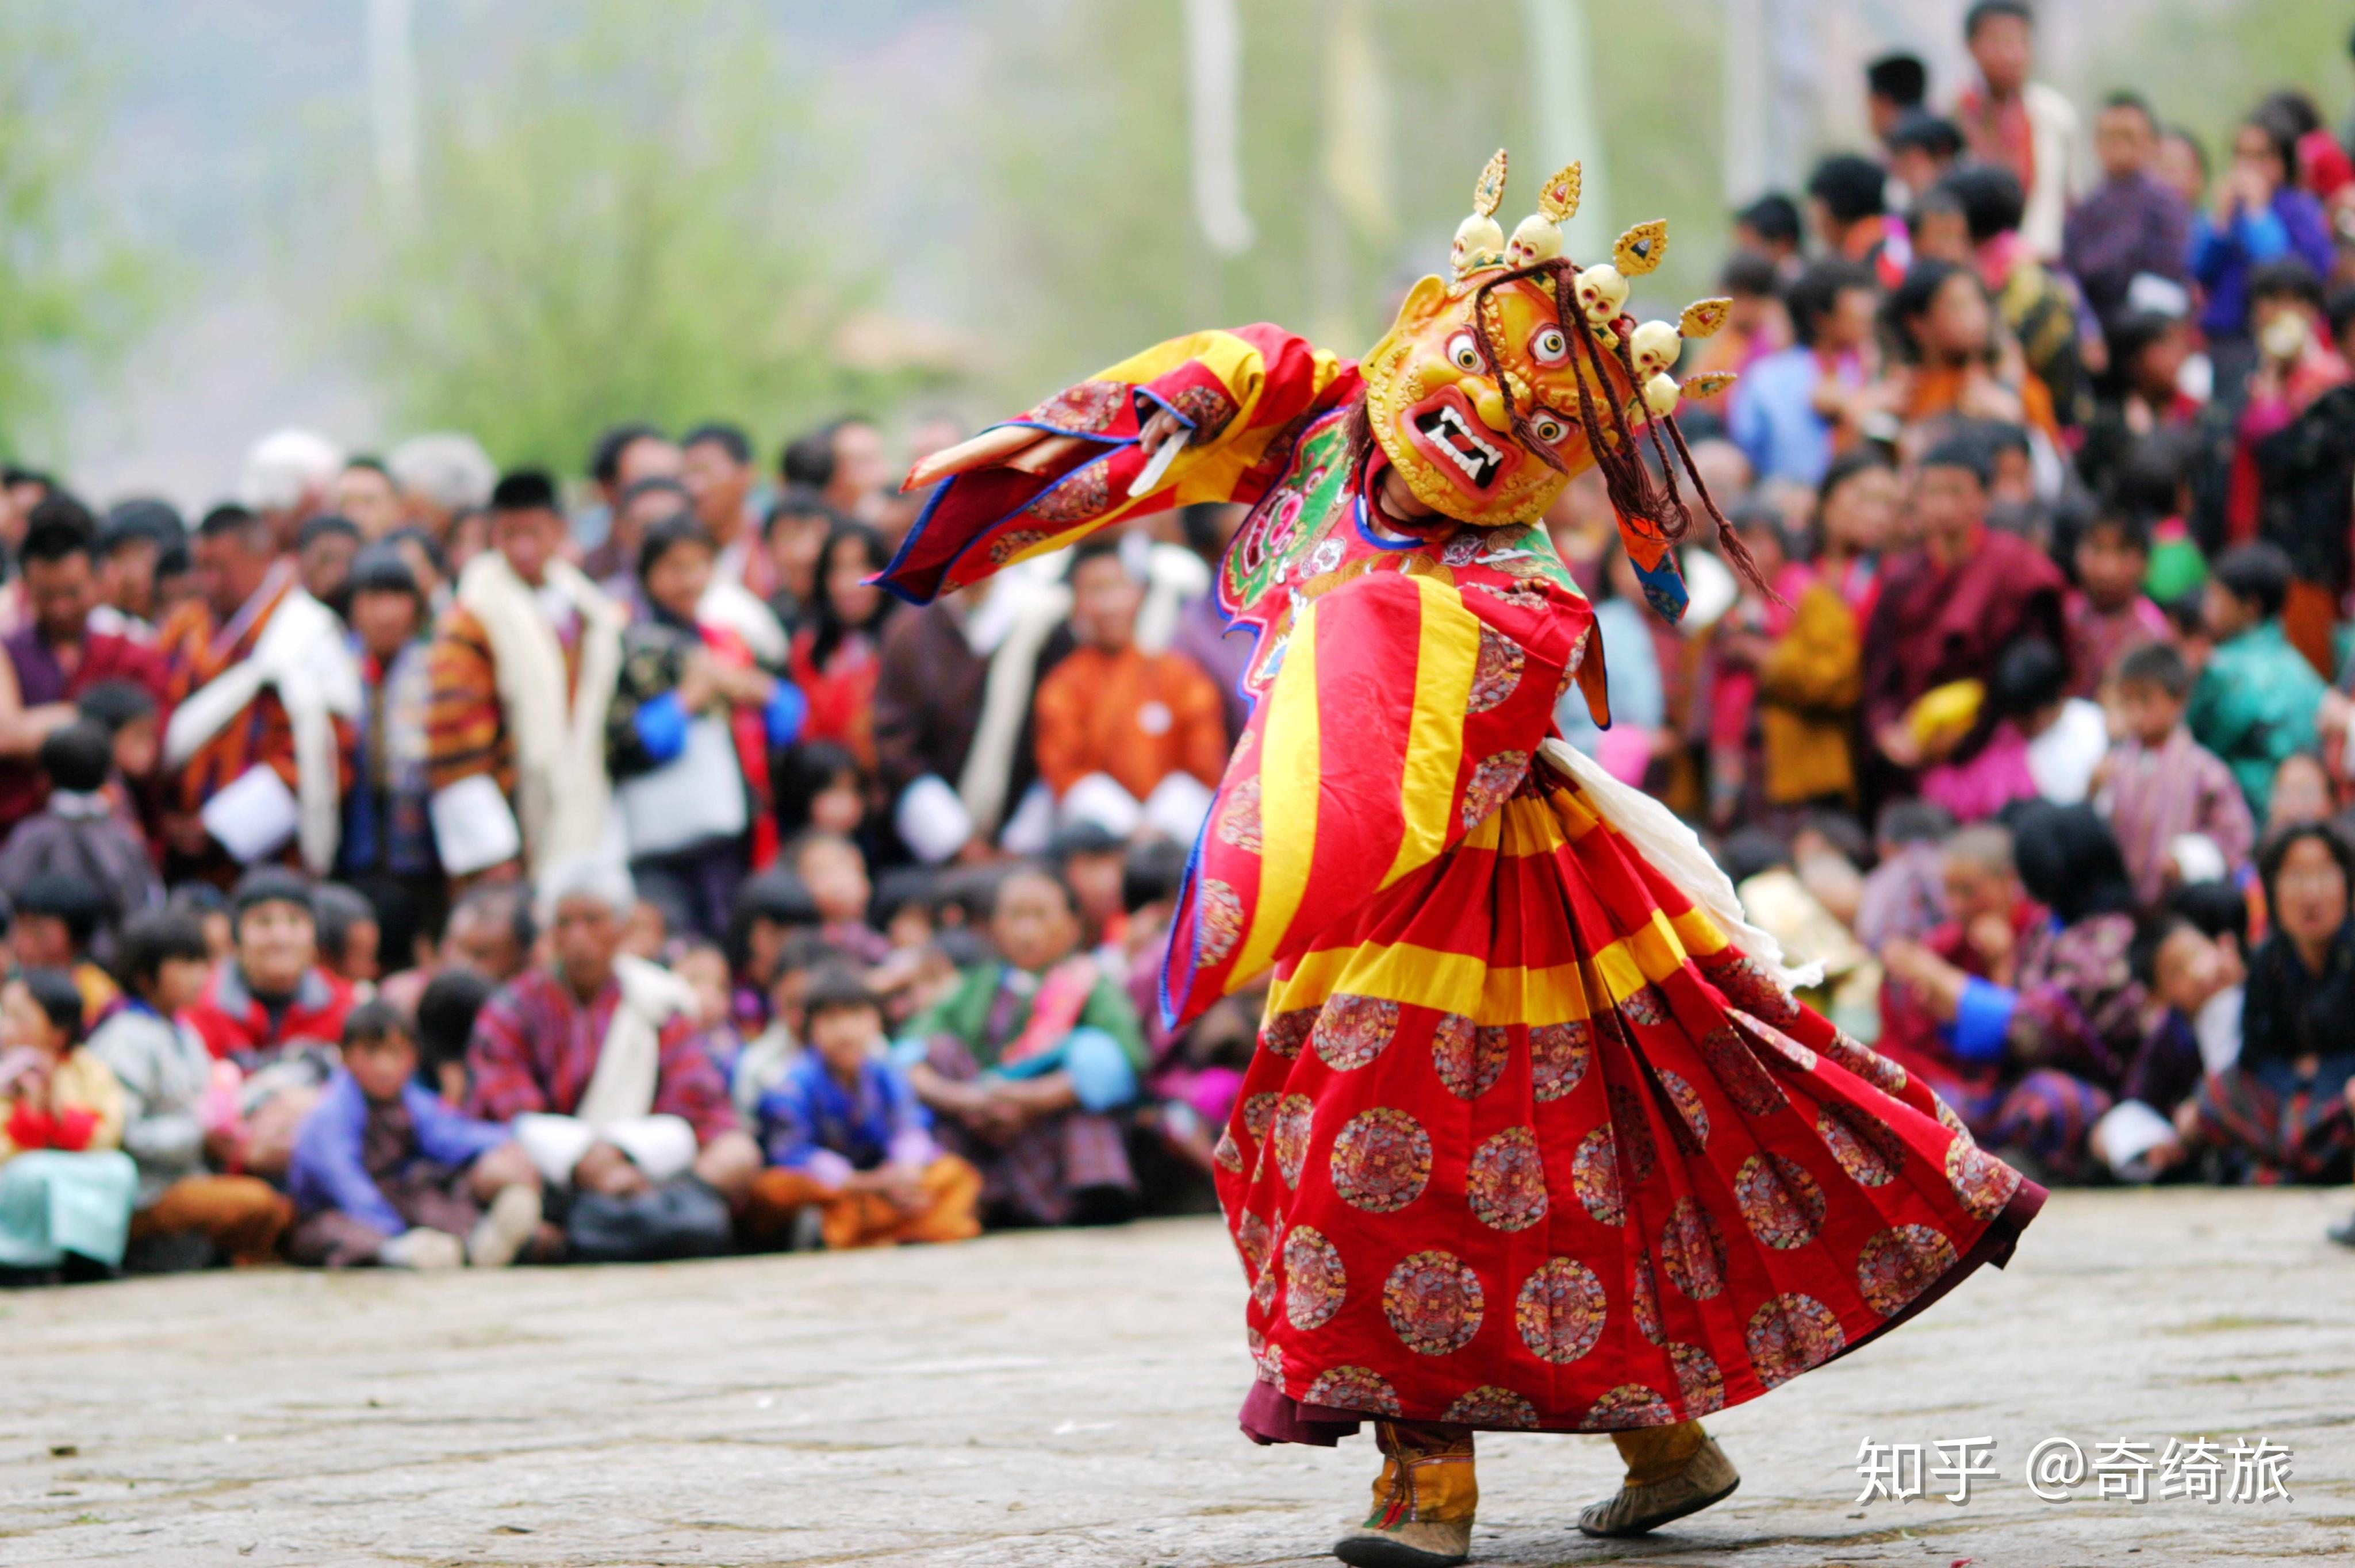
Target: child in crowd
x=66, y=1187
x=2045, y=743
x=704, y=967
x=445, y=1022
x=846, y=1137
x=185, y=1214
x=2255, y=700
x=385, y=1173
x=78, y=832
x=58, y=915
x=2301, y=793
x=835, y=874
x=127, y=712
x=2107, y=612
x=2159, y=784
x=819, y=787
x=2188, y=972
x=1093, y=861
x=1026, y=1062
x=770, y=907
x=350, y=936
x=1905, y=894
x=1194, y=1072
x=765, y=1058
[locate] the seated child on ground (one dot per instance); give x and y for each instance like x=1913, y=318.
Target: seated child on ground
x=762, y=1062
x=846, y=1137
x=66, y=1187
x=385, y=1173
x=2188, y=972
x=350, y=938
x=445, y=1022
x=704, y=967
x=834, y=872
x=78, y=832
x=187, y=1215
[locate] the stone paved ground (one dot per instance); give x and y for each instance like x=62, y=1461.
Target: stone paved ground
x=1068, y=1399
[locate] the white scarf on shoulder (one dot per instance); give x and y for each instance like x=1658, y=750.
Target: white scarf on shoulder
x=562, y=795
x=303, y=656
x=629, y=1062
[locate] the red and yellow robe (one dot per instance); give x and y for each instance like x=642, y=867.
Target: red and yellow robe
x=1528, y=1141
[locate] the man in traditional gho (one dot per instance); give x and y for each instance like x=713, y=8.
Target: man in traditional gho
x=1536, y=1136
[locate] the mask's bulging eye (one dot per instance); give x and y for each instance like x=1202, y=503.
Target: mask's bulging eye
x=1550, y=430
x=1463, y=353
x=1550, y=346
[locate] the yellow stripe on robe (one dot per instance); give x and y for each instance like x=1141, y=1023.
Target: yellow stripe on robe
x=1448, y=654
x=1463, y=983
x=1289, y=775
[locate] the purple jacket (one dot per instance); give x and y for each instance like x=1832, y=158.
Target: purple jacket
x=328, y=1170
x=2128, y=226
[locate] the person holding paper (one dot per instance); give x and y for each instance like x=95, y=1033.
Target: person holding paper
x=523, y=669
x=263, y=692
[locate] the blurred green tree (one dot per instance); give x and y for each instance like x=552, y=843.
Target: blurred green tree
x=623, y=221
x=75, y=288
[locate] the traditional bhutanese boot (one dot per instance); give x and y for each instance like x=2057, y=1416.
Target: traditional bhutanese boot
x=1423, y=1501
x=1671, y=1471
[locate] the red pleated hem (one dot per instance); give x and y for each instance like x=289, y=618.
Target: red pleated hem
x=1270, y=1415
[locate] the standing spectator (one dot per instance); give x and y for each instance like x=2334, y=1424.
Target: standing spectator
x=2130, y=225
x=440, y=476
x=1950, y=609
x=522, y=672
x=2294, y=454
x=1946, y=328
x=693, y=725
x=1126, y=737
x=837, y=654
x=2035, y=304
x=1848, y=204
x=1922, y=149
x=285, y=480
x=1855, y=524
x=718, y=474
x=2024, y=126
x=1795, y=408
x=2160, y=784
x=132, y=545
x=2108, y=613
x=1755, y=322
x=59, y=653
x=365, y=493
x=262, y=692
x=388, y=837
x=323, y=548
x=66, y=1186
x=165, y=1074
x=622, y=455
x=2255, y=700
x=2259, y=215
x=650, y=1133
x=1769, y=227
x=793, y=537
x=1895, y=85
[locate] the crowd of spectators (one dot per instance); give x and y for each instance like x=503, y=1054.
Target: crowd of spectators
x=412, y=865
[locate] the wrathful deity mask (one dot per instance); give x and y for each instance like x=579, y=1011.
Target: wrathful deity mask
x=1491, y=388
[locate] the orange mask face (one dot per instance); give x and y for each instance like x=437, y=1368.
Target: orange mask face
x=1440, y=415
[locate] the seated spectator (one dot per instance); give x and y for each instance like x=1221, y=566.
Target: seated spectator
x=1127, y=738
x=1795, y=409
x=185, y=1214
x=1792, y=664
x=1922, y=148
x=770, y=908
x=77, y=832
x=1093, y=861
x=1905, y=895
x=694, y=722
x=1637, y=684
x=1755, y=322
x=1848, y=205
x=649, y=1147
x=819, y=786
x=2065, y=736
x=66, y=1186
x=2281, y=1113
x=2141, y=395
x=490, y=932
x=385, y=1173
x=2022, y=1011
x=349, y=936
x=793, y=537
x=2037, y=306
x=846, y=1140
x=2107, y=611
x=1948, y=332
x=2159, y=784
x=1855, y=524
x=761, y=1065
x=1770, y=227
x=834, y=875
x=58, y=918
x=1025, y=1065
x=2186, y=971
x=2293, y=454
x=271, y=998
x=445, y=1022
x=702, y=968
x=2255, y=700
x=2301, y=793
x=1950, y=609
x=1195, y=1073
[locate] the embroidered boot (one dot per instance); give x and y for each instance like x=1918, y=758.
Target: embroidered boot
x=1423, y=1501
x=1671, y=1471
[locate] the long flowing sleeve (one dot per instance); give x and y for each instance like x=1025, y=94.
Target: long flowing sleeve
x=1243, y=397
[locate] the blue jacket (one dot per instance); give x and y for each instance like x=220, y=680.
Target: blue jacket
x=810, y=1122
x=326, y=1171
x=2223, y=258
